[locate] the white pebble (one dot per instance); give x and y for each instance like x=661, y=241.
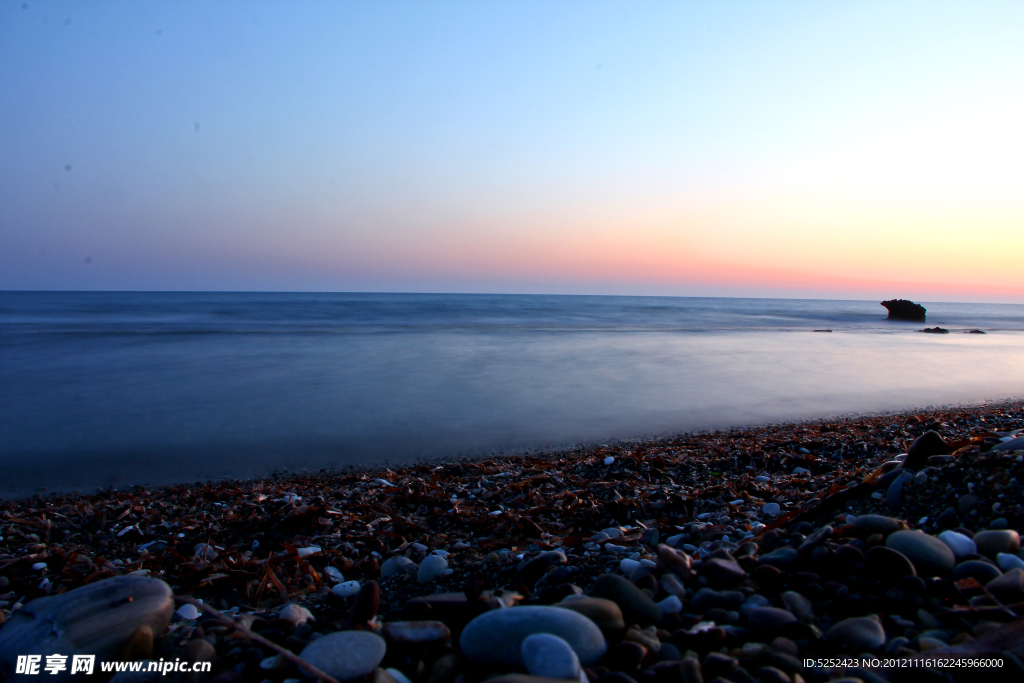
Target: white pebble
x=771, y=509
x=38, y=566
x=923, y=520
x=609, y=460
x=442, y=553
x=335, y=574
x=310, y=550
x=346, y=589
x=801, y=470
x=648, y=563
x=433, y=567
x=736, y=502
x=763, y=479
x=612, y=548
x=296, y=614
x=188, y=612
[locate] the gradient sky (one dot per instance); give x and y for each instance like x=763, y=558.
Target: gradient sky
x=812, y=149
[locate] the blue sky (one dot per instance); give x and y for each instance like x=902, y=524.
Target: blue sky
x=735, y=148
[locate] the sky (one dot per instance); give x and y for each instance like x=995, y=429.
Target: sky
x=850, y=150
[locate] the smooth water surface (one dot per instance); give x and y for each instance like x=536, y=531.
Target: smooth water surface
x=123, y=388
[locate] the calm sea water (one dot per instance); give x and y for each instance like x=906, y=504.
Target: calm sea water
x=123, y=388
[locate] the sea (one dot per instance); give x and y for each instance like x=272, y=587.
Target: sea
x=116, y=389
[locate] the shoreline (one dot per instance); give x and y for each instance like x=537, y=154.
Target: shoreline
x=527, y=529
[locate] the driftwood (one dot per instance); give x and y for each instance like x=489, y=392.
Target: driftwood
x=255, y=637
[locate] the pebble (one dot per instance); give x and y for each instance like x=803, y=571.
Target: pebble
x=868, y=525
x=187, y=612
x=637, y=607
x=801, y=470
x=771, y=509
x=418, y=632
x=334, y=574
x=857, y=634
x=495, y=638
x=295, y=614
x=346, y=589
x=605, y=613
x=346, y=655
x=432, y=567
x=930, y=556
x=609, y=460
x=396, y=565
x=722, y=573
x=548, y=655
x=768, y=619
x=1007, y=562
x=673, y=604
x=38, y=566
x=798, y=605
x=959, y=544
x=1008, y=588
x=97, y=619
x=976, y=569
x=991, y=543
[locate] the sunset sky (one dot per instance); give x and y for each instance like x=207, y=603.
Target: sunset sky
x=809, y=149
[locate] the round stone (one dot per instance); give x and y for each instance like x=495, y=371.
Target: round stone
x=869, y=525
x=887, y=565
x=991, y=543
x=548, y=655
x=798, y=605
x=976, y=569
x=768, y=619
x=857, y=634
x=930, y=556
x=396, y=565
x=1008, y=588
x=346, y=589
x=1007, y=562
x=605, y=613
x=637, y=607
x=959, y=544
x=771, y=509
x=496, y=638
x=346, y=655
x=432, y=567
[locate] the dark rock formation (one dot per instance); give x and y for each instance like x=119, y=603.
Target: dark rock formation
x=901, y=309
x=936, y=330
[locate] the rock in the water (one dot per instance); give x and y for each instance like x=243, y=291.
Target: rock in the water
x=925, y=446
x=930, y=556
x=902, y=309
x=991, y=543
x=935, y=330
x=346, y=655
x=605, y=613
x=636, y=606
x=496, y=638
x=959, y=544
x=98, y=619
x=396, y=565
x=857, y=634
x=432, y=567
x=548, y=655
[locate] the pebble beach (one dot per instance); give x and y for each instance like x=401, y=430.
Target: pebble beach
x=870, y=548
